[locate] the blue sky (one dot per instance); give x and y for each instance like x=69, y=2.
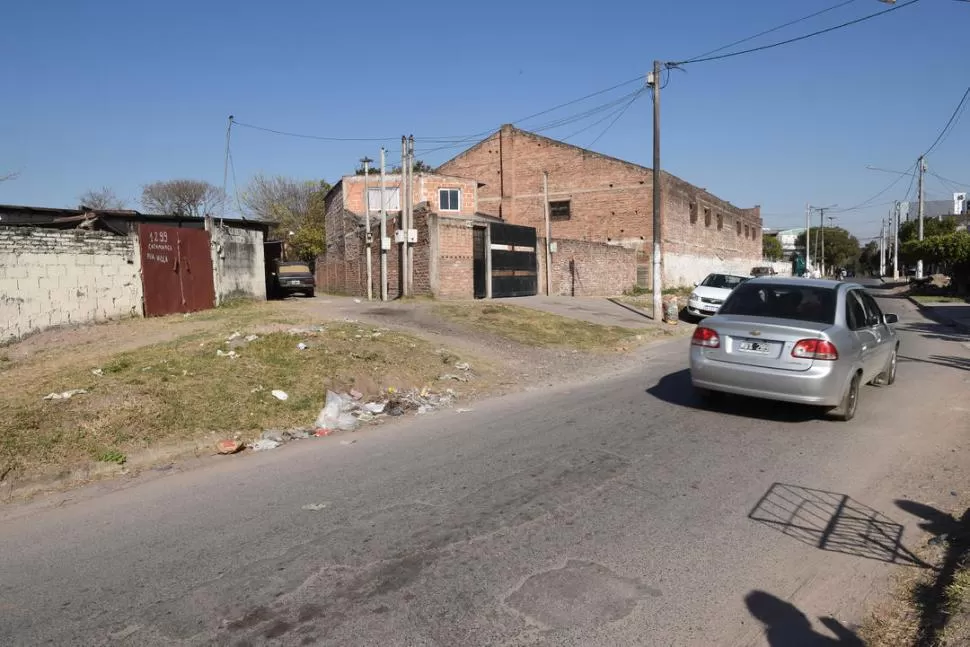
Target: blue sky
x=120, y=94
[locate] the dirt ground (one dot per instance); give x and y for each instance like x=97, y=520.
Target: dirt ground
x=130, y=412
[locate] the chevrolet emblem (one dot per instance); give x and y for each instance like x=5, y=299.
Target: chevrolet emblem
x=755, y=333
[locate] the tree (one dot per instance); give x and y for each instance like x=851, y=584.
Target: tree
x=182, y=197
x=771, y=248
x=841, y=247
x=909, y=230
x=869, y=257
x=101, y=199
x=951, y=252
x=295, y=207
x=419, y=166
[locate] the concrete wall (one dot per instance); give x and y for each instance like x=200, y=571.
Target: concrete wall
x=587, y=269
x=683, y=270
x=238, y=263
x=53, y=277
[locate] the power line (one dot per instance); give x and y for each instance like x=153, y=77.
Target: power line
x=317, y=137
x=768, y=31
x=866, y=203
x=617, y=117
x=789, y=41
x=953, y=118
x=959, y=185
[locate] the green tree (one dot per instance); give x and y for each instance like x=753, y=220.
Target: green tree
x=841, y=247
x=419, y=166
x=296, y=209
x=771, y=248
x=951, y=252
x=909, y=230
x=869, y=257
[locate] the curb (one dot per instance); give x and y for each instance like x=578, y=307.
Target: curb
x=928, y=310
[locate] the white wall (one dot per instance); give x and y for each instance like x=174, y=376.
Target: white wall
x=238, y=263
x=52, y=277
x=683, y=270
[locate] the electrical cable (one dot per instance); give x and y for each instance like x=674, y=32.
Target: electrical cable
x=773, y=29
x=617, y=117
x=867, y=203
x=953, y=118
x=796, y=39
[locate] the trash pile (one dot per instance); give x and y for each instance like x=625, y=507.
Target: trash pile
x=345, y=412
x=65, y=395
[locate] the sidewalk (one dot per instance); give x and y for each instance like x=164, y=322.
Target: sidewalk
x=954, y=314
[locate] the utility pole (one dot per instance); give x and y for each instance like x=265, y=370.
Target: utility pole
x=367, y=235
x=404, y=216
x=407, y=239
x=821, y=229
x=896, y=213
x=545, y=211
x=383, y=231
x=654, y=82
x=922, y=169
x=808, y=231
x=225, y=176
x=882, y=249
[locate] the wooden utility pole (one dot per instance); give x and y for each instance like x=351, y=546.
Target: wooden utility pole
x=657, y=283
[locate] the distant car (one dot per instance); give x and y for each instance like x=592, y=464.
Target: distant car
x=709, y=294
x=807, y=341
x=763, y=271
x=294, y=277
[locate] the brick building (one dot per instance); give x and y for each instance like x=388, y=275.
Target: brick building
x=597, y=198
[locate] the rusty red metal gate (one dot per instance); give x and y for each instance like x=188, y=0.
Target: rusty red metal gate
x=176, y=270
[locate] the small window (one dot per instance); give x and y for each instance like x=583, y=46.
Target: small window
x=855, y=313
x=720, y=222
x=873, y=313
x=449, y=199
x=559, y=210
x=747, y=232
x=392, y=199
x=739, y=228
x=693, y=213
x=707, y=217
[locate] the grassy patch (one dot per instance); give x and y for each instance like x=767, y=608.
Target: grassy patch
x=536, y=328
x=931, y=299
x=184, y=390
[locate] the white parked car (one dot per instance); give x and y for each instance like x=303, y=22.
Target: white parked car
x=707, y=297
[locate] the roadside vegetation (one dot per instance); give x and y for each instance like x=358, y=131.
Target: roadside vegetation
x=197, y=386
x=541, y=329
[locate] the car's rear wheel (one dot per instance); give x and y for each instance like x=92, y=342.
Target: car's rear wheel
x=850, y=401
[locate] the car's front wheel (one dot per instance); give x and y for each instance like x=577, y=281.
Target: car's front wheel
x=888, y=376
x=850, y=401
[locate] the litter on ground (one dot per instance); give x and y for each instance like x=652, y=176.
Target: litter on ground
x=282, y=396
x=65, y=395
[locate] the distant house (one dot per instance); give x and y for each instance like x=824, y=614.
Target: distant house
x=788, y=239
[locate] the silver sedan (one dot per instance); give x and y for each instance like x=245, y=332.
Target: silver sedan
x=807, y=341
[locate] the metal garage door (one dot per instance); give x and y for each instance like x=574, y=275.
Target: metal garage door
x=513, y=251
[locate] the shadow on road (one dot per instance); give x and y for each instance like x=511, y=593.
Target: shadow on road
x=955, y=535
x=786, y=626
x=833, y=522
x=949, y=361
x=675, y=388
x=940, y=331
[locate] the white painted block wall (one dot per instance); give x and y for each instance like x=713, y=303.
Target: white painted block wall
x=53, y=277
x=238, y=263
x=683, y=270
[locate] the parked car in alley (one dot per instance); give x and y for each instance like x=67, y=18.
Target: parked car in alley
x=293, y=277
x=709, y=294
x=763, y=271
x=807, y=341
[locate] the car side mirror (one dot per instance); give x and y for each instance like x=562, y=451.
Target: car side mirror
x=696, y=283
x=890, y=318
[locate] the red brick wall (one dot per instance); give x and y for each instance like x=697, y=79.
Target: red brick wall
x=456, y=278
x=584, y=269
x=610, y=200
x=425, y=190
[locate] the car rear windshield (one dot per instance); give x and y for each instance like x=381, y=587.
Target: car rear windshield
x=722, y=281
x=295, y=268
x=780, y=301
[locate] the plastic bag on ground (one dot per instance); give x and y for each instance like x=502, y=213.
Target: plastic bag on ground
x=336, y=413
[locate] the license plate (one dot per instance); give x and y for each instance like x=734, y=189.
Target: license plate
x=754, y=347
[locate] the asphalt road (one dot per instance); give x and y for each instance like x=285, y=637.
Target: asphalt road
x=616, y=513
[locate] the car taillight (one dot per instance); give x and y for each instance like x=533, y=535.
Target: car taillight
x=705, y=337
x=815, y=349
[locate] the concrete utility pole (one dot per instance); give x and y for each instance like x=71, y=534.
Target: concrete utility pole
x=808, y=240
x=404, y=215
x=367, y=235
x=383, y=230
x=545, y=198
x=882, y=249
x=407, y=239
x=654, y=82
x=896, y=214
x=225, y=177
x=922, y=169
